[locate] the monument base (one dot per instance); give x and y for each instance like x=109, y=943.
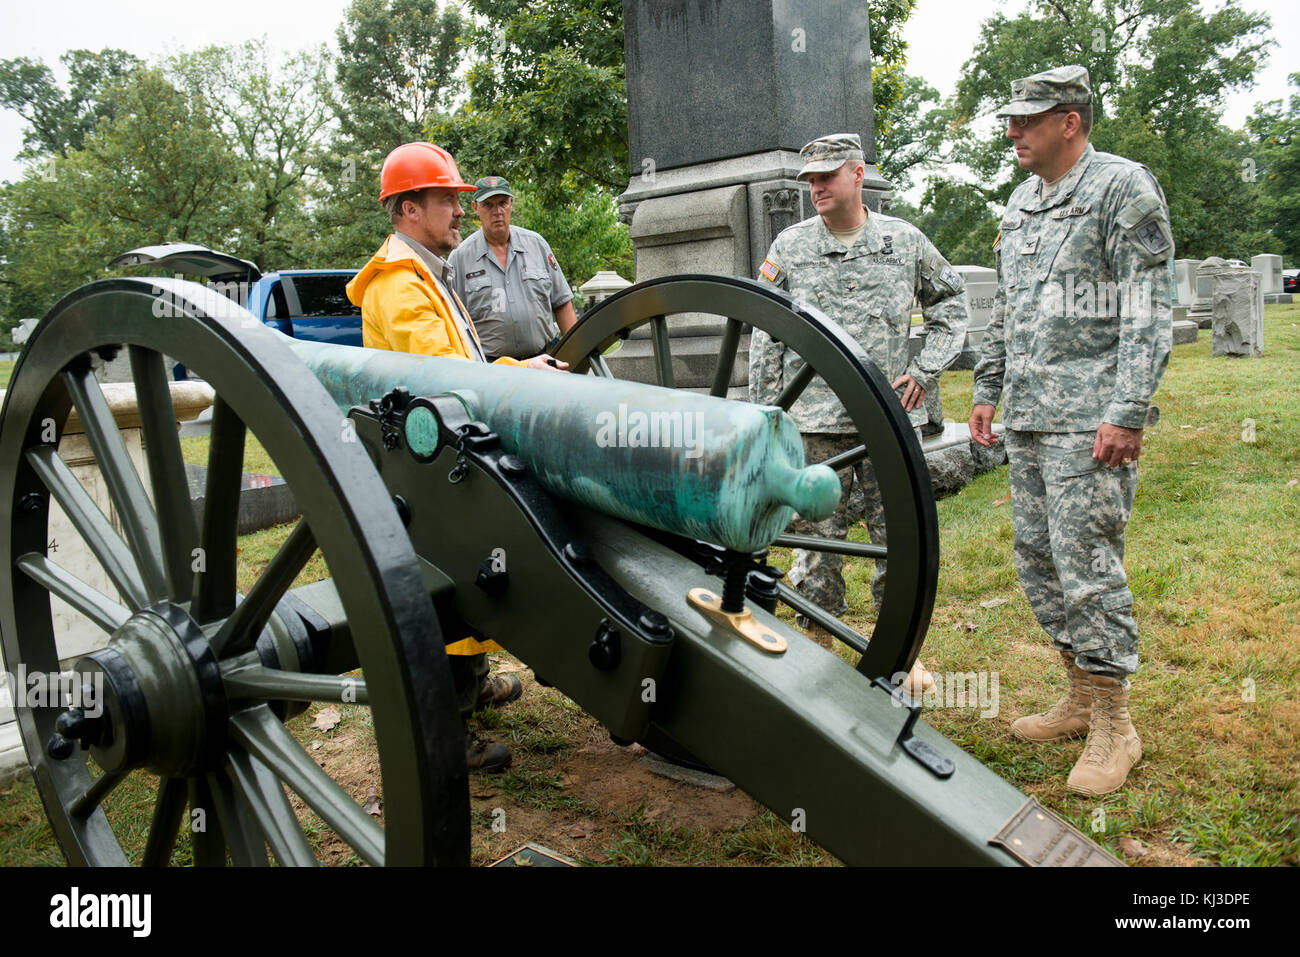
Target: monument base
x=716, y=217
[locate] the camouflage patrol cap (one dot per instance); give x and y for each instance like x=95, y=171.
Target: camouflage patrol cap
x=828, y=153
x=490, y=186
x=1042, y=91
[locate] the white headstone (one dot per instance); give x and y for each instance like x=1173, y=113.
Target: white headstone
x=981, y=285
x=1269, y=267
x=1185, y=280
x=1237, y=310
x=602, y=285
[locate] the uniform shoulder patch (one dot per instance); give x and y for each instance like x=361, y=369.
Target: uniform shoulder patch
x=950, y=278
x=550, y=258
x=997, y=239
x=770, y=270
x=1144, y=221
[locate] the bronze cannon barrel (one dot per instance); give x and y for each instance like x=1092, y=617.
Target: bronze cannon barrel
x=721, y=471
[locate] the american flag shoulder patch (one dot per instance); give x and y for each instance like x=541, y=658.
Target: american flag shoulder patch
x=770, y=270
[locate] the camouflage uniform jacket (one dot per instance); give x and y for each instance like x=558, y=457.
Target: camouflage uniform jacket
x=868, y=290
x=1081, y=327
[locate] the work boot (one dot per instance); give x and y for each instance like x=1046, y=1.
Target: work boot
x=499, y=690
x=484, y=756
x=1068, y=718
x=918, y=681
x=1113, y=747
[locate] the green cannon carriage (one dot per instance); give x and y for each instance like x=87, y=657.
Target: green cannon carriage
x=448, y=500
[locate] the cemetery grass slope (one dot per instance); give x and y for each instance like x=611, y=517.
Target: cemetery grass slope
x=1213, y=559
x=1214, y=563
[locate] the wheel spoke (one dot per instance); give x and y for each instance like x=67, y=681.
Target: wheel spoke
x=846, y=459
x=266, y=801
x=100, y=788
x=795, y=388
x=822, y=617
x=171, y=491
x=91, y=524
x=208, y=840
x=727, y=358
x=125, y=489
x=601, y=367
x=814, y=544
x=274, y=685
x=247, y=847
x=214, y=589
x=263, y=736
x=92, y=603
x=167, y=816
x=663, y=352
x=241, y=629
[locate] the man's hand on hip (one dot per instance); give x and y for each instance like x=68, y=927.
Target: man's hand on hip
x=913, y=395
x=1116, y=445
x=981, y=424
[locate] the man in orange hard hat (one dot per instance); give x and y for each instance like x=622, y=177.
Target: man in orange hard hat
x=407, y=305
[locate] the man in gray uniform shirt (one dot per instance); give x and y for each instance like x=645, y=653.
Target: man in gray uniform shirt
x=509, y=280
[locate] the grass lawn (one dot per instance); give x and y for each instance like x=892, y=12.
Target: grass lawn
x=1214, y=564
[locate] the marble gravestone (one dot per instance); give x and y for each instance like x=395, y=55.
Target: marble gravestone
x=1269, y=267
x=1236, y=308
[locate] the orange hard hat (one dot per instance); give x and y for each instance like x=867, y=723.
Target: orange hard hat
x=418, y=166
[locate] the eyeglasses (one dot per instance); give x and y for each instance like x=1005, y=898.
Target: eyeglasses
x=1021, y=122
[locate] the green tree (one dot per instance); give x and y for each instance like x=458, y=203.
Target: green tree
x=160, y=171
x=396, y=69
x=888, y=61
x=1275, y=131
x=547, y=96
x=548, y=91
x=272, y=119
x=1159, y=71
x=58, y=121
x=915, y=136
x=395, y=74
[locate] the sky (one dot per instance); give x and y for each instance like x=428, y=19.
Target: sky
x=940, y=36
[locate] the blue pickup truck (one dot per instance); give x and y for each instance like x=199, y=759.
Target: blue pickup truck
x=304, y=303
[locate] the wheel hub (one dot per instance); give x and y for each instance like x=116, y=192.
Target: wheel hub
x=158, y=699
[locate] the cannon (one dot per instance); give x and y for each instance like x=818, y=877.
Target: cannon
x=449, y=500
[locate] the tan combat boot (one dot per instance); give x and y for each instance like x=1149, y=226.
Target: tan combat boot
x=1068, y=718
x=918, y=680
x=1113, y=747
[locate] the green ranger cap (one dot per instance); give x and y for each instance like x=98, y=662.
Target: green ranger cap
x=1042, y=91
x=490, y=186
x=828, y=153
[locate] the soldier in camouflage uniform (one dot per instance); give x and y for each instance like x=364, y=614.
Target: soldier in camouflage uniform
x=862, y=269
x=1079, y=336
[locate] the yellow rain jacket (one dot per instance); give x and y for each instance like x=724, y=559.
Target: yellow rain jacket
x=404, y=310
